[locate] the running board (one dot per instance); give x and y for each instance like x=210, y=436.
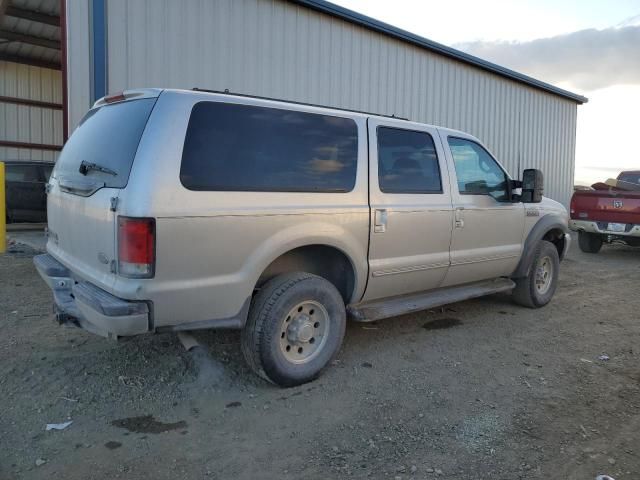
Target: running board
x=415, y=302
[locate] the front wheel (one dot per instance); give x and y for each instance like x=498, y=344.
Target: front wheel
x=537, y=288
x=295, y=327
x=589, y=242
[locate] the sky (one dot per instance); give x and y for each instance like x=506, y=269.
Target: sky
x=590, y=47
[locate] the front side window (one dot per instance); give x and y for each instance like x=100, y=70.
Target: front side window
x=477, y=172
x=231, y=147
x=407, y=162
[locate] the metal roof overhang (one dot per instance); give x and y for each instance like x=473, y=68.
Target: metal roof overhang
x=30, y=32
x=391, y=31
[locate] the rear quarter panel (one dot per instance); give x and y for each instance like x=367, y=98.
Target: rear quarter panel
x=211, y=247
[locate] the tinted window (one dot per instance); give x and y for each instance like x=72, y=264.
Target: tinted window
x=109, y=137
x=407, y=162
x=246, y=148
x=22, y=173
x=477, y=172
x=630, y=177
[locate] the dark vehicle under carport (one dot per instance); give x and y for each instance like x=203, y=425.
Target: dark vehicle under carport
x=25, y=191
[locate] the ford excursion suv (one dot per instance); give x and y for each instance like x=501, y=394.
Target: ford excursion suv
x=175, y=210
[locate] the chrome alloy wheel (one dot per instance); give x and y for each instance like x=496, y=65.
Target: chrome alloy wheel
x=544, y=275
x=304, y=331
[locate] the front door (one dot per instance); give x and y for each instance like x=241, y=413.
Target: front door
x=411, y=213
x=488, y=228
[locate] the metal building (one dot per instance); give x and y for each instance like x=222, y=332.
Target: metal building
x=316, y=52
x=31, y=125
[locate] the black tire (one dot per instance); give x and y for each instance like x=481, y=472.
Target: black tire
x=527, y=292
x=589, y=242
x=271, y=308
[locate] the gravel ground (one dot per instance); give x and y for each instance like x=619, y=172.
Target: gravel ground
x=479, y=390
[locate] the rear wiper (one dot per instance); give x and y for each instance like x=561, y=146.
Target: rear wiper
x=86, y=167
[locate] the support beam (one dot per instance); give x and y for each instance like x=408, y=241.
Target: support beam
x=30, y=103
x=98, y=32
x=34, y=146
x=16, y=12
x=63, y=61
x=4, y=4
x=29, y=61
x=30, y=39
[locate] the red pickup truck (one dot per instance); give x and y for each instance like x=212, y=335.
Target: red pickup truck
x=608, y=212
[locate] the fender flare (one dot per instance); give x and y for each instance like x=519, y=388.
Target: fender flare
x=547, y=223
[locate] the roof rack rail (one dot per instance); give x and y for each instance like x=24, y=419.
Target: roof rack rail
x=227, y=92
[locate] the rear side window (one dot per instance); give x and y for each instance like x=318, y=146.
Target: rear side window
x=107, y=136
x=22, y=173
x=231, y=147
x=407, y=162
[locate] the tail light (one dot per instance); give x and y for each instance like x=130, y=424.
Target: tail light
x=136, y=247
x=572, y=206
x=116, y=97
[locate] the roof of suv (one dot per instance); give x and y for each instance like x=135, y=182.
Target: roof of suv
x=156, y=92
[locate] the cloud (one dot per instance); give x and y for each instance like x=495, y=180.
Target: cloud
x=586, y=59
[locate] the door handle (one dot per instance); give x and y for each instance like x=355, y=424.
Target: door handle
x=459, y=217
x=380, y=220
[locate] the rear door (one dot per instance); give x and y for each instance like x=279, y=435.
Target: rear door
x=24, y=192
x=488, y=228
x=84, y=187
x=411, y=213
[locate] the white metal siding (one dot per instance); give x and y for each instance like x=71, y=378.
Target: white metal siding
x=22, y=123
x=277, y=49
x=78, y=62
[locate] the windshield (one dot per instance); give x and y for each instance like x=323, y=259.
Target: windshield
x=108, y=138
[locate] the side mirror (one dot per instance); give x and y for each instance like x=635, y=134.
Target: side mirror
x=532, y=186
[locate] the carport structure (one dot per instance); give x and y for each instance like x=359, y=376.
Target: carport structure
x=58, y=57
x=32, y=125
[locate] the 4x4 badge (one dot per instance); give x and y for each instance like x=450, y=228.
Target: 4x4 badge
x=617, y=204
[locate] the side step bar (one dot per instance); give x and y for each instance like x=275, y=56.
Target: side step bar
x=415, y=302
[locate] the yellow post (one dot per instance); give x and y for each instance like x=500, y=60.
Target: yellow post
x=3, y=212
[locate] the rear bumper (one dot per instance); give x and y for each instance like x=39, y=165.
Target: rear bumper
x=88, y=306
x=601, y=227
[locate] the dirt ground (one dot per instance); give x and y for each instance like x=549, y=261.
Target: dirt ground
x=480, y=390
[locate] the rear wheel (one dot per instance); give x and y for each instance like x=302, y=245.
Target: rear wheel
x=589, y=242
x=538, y=287
x=295, y=327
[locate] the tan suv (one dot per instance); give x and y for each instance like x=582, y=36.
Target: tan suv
x=179, y=210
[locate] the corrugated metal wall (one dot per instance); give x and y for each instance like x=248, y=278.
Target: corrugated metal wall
x=21, y=123
x=277, y=49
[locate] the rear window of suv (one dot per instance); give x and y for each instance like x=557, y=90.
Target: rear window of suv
x=230, y=147
x=107, y=136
